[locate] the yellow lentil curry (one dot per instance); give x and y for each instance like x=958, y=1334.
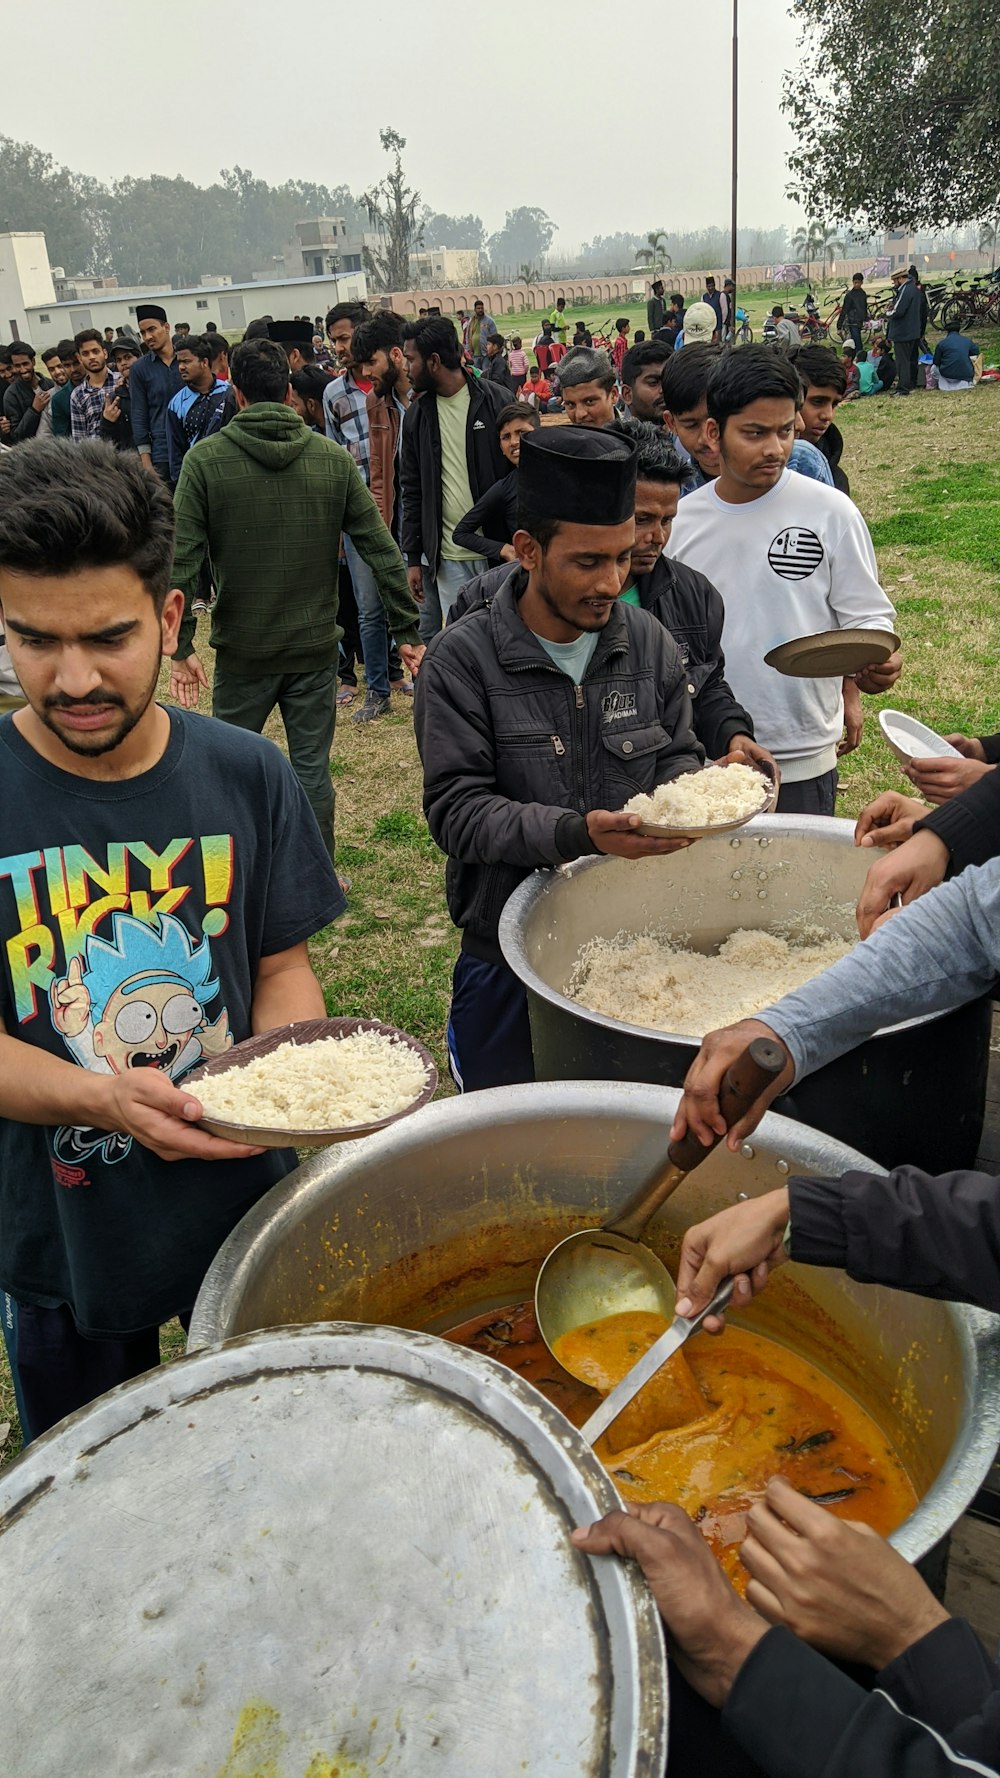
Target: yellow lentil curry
x=712, y=1428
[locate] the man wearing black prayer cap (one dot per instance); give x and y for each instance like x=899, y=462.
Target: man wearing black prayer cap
x=538, y=716
x=297, y=339
x=153, y=383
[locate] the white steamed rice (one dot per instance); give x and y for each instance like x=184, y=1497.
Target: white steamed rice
x=331, y=1084
x=709, y=798
x=649, y=979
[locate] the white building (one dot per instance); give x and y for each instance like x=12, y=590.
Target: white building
x=430, y=267
x=25, y=281
x=230, y=307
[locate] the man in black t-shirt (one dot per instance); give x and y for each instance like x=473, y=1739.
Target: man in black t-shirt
x=160, y=874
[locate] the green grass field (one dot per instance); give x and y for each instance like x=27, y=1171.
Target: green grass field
x=926, y=480
x=757, y=303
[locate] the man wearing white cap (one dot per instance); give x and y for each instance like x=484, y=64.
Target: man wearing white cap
x=700, y=326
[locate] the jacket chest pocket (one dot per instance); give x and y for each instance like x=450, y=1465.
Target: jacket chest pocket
x=532, y=767
x=629, y=759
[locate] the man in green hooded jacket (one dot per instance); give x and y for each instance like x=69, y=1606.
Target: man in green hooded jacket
x=267, y=500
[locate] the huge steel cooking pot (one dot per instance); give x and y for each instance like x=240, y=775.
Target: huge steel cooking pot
x=453, y=1210
x=914, y=1092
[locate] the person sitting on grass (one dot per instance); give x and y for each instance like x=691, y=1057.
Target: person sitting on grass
x=537, y=391
x=884, y=361
x=953, y=357
x=853, y=389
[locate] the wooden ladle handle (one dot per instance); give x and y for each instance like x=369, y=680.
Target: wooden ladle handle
x=744, y=1081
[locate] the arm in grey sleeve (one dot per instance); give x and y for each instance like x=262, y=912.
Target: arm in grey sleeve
x=936, y=954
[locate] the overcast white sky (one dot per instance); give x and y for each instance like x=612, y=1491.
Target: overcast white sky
x=631, y=132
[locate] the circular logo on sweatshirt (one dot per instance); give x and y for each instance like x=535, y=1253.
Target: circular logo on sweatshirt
x=795, y=553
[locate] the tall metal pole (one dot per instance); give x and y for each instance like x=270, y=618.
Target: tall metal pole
x=736, y=94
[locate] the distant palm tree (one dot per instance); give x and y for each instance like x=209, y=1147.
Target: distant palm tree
x=528, y=274
x=816, y=241
x=655, y=255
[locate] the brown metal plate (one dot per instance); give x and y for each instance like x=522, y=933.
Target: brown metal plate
x=832, y=654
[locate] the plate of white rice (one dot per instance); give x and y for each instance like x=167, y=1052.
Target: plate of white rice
x=313, y=1083
x=714, y=800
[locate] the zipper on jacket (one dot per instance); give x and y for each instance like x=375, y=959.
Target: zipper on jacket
x=533, y=741
x=581, y=737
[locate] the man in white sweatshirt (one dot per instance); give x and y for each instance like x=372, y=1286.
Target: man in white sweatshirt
x=790, y=557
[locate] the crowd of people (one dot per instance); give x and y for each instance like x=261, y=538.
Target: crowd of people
x=582, y=600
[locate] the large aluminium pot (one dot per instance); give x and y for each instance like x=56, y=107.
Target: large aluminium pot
x=914, y=1092
x=452, y=1211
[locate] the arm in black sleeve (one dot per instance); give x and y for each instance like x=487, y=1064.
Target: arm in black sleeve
x=491, y=523
x=969, y=824
x=717, y=715
x=409, y=486
x=991, y=747
x=937, y=1237
x=800, y=1717
x=948, y=1680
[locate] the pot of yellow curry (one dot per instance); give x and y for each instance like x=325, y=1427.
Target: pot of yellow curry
x=883, y=1407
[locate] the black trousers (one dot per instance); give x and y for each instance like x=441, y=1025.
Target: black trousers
x=907, y=355
x=814, y=796
x=57, y=1369
x=489, y=1036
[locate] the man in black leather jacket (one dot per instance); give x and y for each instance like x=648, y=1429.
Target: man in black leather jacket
x=538, y=715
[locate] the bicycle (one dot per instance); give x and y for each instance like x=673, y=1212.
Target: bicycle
x=744, y=332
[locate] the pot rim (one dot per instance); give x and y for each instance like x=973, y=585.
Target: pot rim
x=521, y=904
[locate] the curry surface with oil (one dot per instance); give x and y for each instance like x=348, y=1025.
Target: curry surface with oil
x=715, y=1424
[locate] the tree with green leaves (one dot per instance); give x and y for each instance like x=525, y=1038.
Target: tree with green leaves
x=392, y=207
x=525, y=239
x=70, y=208
x=896, y=123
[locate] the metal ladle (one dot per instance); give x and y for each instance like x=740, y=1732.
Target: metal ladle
x=608, y=1271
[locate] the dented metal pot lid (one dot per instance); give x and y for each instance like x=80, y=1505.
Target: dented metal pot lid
x=323, y=1550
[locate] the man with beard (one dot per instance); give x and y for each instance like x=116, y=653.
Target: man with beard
x=88, y=400
x=56, y=421
x=538, y=715
x=377, y=350
x=450, y=456
x=188, y=875
x=345, y=404
x=26, y=396
x=155, y=381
